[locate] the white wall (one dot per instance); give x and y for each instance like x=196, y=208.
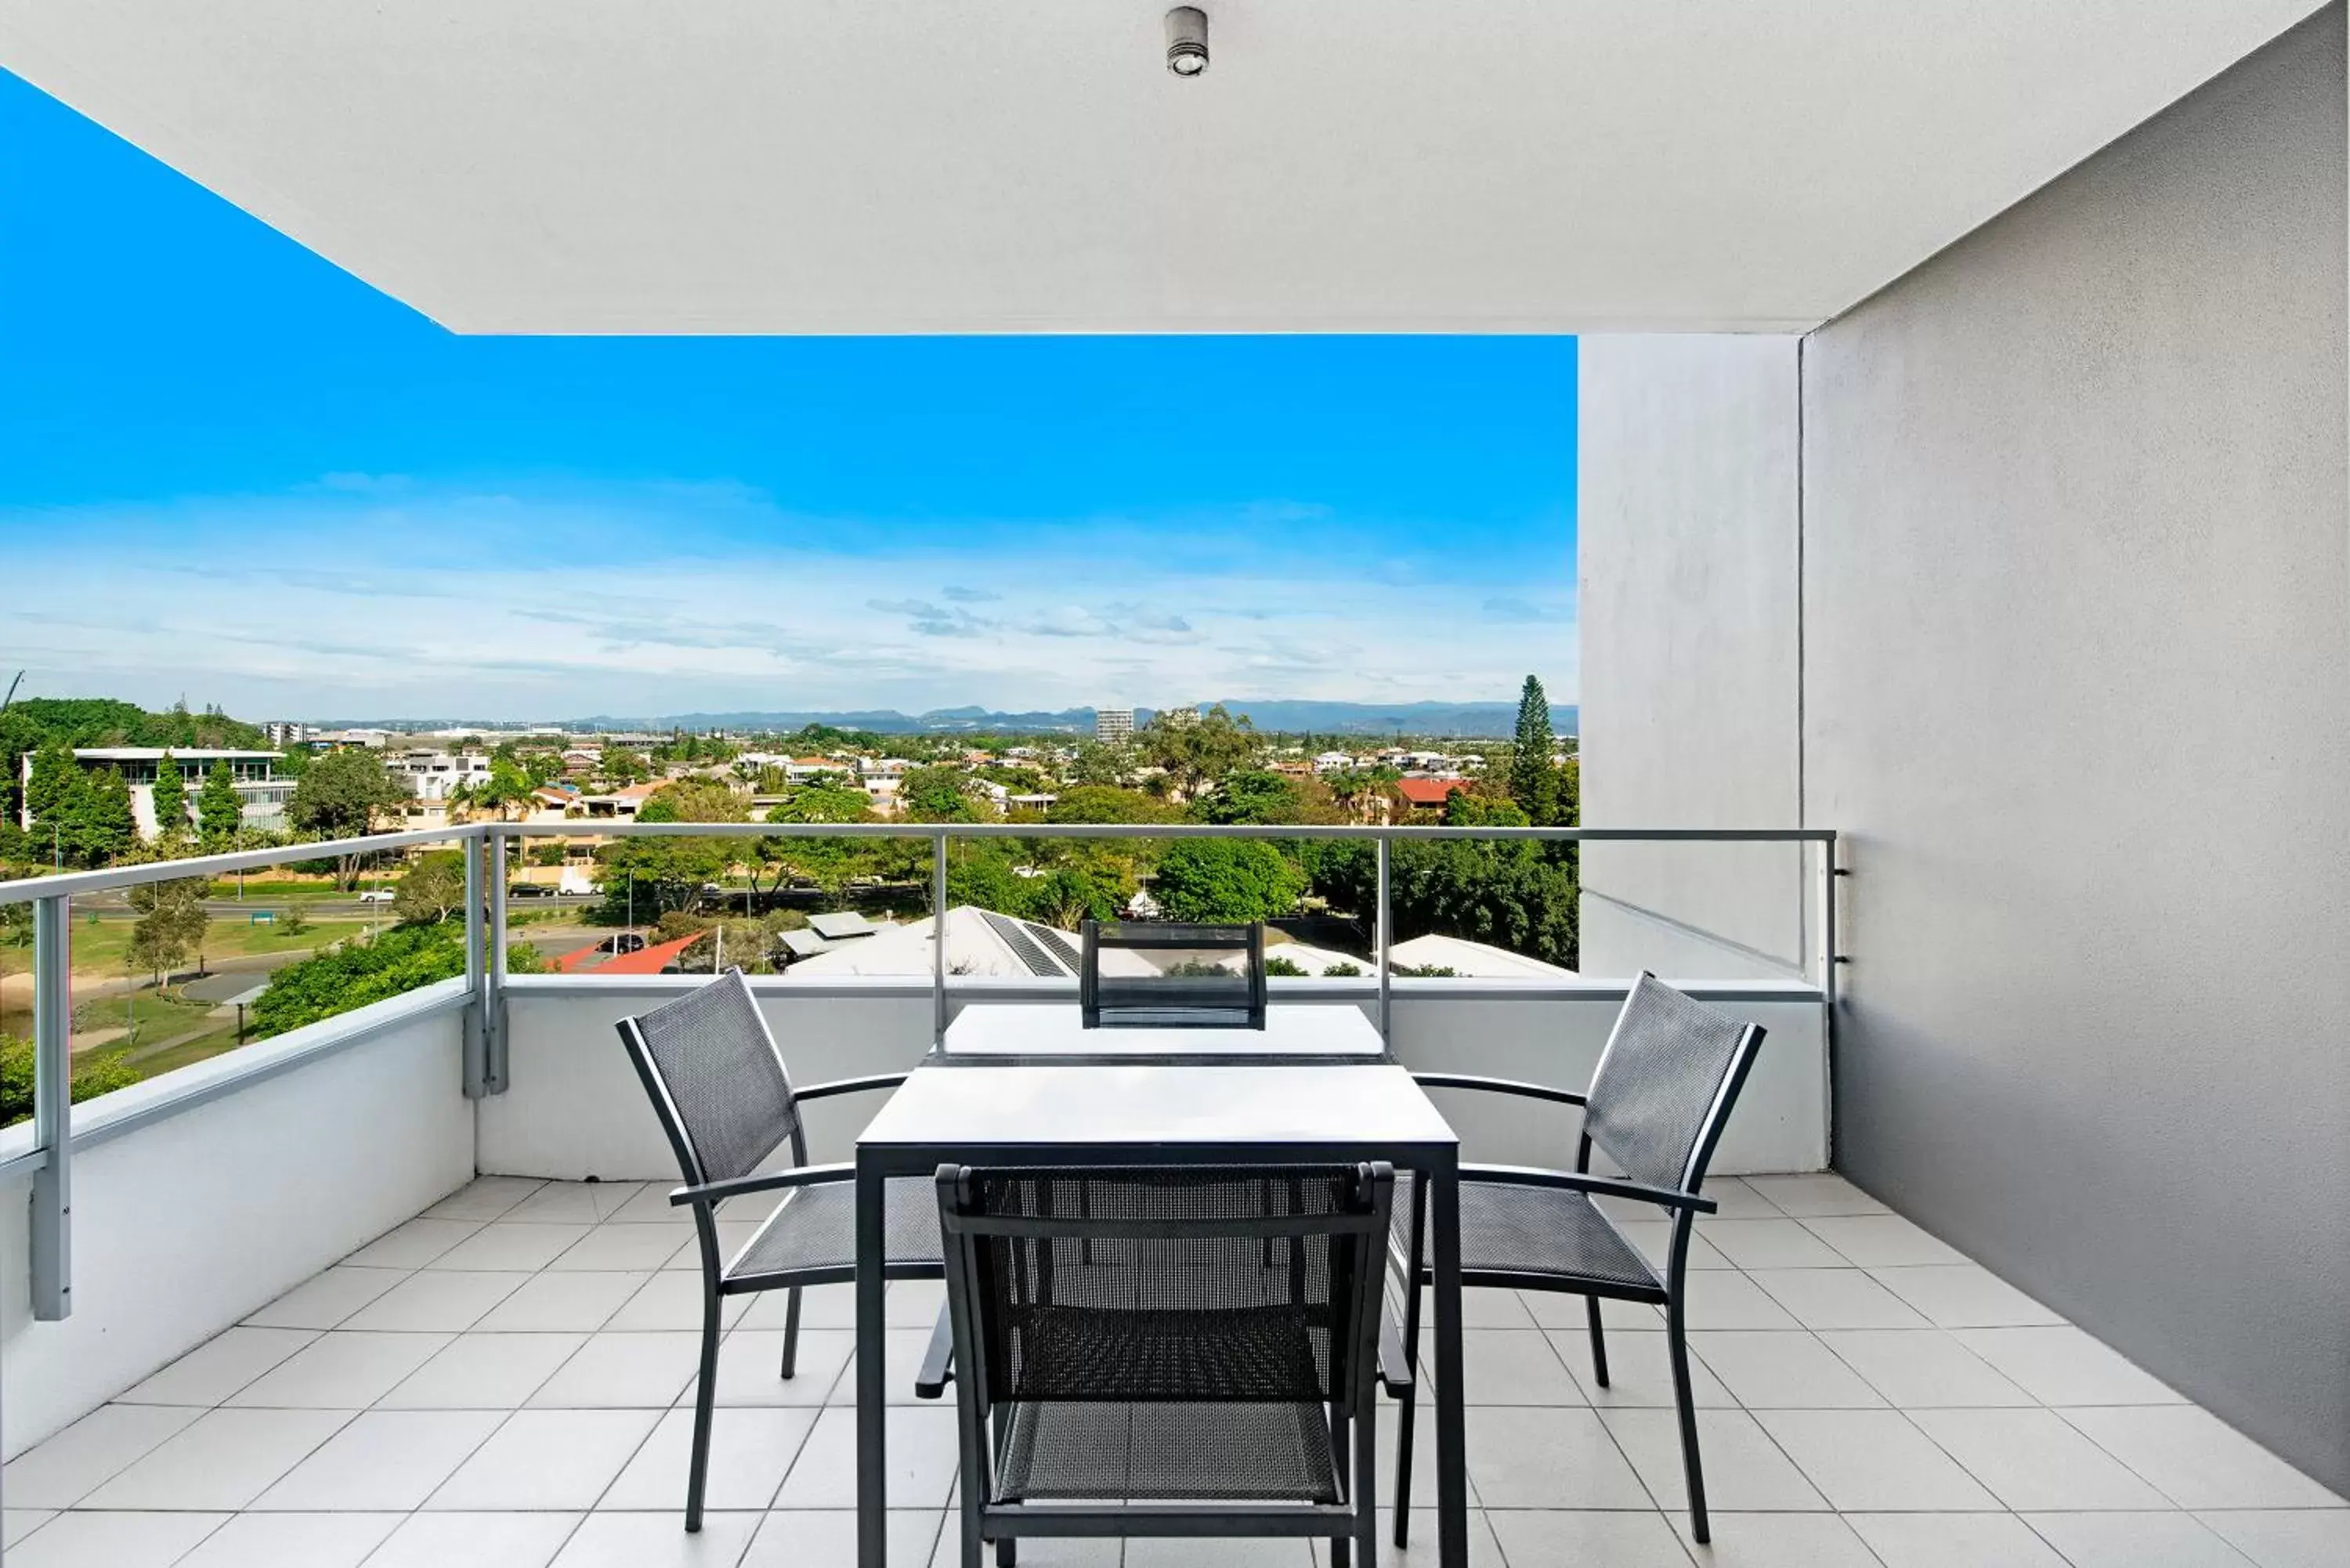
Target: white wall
x=186, y=1225
x=1686, y=524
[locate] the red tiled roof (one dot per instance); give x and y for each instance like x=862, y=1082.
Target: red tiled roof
x=1430, y=792
x=645, y=961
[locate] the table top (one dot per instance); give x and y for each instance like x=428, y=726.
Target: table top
x=1048, y=1029
x=1347, y=1105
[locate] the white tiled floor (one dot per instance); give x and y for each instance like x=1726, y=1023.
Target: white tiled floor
x=502, y=1383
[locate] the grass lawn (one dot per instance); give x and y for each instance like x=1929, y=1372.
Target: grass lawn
x=99, y=946
x=157, y=1017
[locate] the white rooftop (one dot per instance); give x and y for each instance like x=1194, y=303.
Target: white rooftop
x=1479, y=960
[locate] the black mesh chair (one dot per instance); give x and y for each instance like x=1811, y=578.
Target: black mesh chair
x=724, y=1098
x=1186, y=1352
x=1186, y=977
x=1659, y=1100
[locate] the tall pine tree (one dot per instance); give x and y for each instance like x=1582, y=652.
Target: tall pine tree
x=219, y=810
x=171, y=796
x=1533, y=779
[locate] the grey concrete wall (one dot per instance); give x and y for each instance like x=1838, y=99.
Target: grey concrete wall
x=1687, y=529
x=2076, y=609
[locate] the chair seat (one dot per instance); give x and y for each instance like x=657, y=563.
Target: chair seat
x=1067, y=1450
x=814, y=1231
x=1512, y=1228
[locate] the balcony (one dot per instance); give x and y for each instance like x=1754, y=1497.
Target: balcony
x=402, y=1287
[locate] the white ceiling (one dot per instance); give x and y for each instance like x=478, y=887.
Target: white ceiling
x=776, y=166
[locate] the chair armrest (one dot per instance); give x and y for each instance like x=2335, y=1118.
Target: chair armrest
x=1498, y=1087
x=1395, y=1367
x=1597, y=1186
x=762, y=1181
x=937, y=1361
x=848, y=1085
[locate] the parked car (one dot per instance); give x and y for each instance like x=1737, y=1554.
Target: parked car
x=530, y=890
x=376, y=895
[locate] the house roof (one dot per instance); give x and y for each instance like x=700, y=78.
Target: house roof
x=1478, y=959
x=1430, y=792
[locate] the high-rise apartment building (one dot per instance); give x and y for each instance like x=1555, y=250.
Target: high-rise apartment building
x=1113, y=726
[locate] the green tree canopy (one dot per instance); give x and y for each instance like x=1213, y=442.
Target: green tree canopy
x=355, y=973
x=1533, y=779
x=694, y=799
x=172, y=924
x=1226, y=879
x=432, y=890
x=220, y=811
x=171, y=796
x=1107, y=804
x=340, y=796
x=1096, y=763
x=829, y=863
x=1254, y=795
x=1198, y=755
x=940, y=794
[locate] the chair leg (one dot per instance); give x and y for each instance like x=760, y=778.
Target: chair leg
x=1677, y=1344
x=1599, y=1339
x=792, y=1333
x=1007, y=1552
x=1342, y=1465
x=1406, y=1405
x=1366, y=1483
x=705, y=1393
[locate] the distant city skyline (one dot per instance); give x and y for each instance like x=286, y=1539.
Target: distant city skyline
x=233, y=473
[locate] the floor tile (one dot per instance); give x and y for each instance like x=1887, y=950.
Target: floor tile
x=827, y=1538
x=750, y=1359
x=1514, y=1367
x=413, y=1245
x=341, y=1371
x=913, y=1303
x=546, y=1459
x=558, y=1303
x=1954, y=1540
x=734, y=1235
x=114, y=1540
x=2032, y=1460
x=1873, y=1459
x=2065, y=1367
x=1482, y=1307
x=385, y=1460
x=2198, y=1460
x=659, y=1540
x=434, y=1301
x=484, y=1372
x=621, y=1370
x=1654, y=1238
x=1423, y=1457
x=1777, y=1540
x=585, y=1202
x=1767, y=1369
x=1809, y=1197
x=475, y=1540
x=1836, y=1298
x=220, y=1367
x=1143, y=1552
x=905, y=1349
x=71, y=1464
x=921, y=1460
x=1965, y=1295
x=626, y=1247
x=15, y=1523
x=2135, y=1541
x=821, y=1306
x=326, y=1300
x=511, y=1245
x=222, y=1461
x=1525, y=1457
x=485, y=1198
x=1731, y=1300
x=751, y=1450
x=1883, y=1241
x=1743, y=1468
x=1922, y=1368
x=1536, y=1538
x=1771, y=1244
x=648, y=1204
x=1640, y=1372
x=292, y=1540
x=2286, y=1538
x=670, y=1301
x=1558, y=1309
x=1484, y=1551
x=1738, y=1197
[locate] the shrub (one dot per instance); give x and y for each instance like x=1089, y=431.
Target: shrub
x=93, y=1074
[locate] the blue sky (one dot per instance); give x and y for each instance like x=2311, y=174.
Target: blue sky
x=233, y=473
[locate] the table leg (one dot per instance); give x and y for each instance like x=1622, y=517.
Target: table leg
x=872, y=1371
x=1451, y=1425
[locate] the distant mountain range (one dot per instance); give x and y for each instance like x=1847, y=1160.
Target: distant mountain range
x=1482, y=719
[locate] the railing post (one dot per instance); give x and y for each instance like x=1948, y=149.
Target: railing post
x=939, y=939
x=52, y=1220
x=1385, y=937
x=477, y=1059
x=494, y=970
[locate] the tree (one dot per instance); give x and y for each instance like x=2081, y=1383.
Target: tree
x=1516, y=895
x=828, y=862
x=53, y=779
x=1197, y=754
x=693, y=800
x=506, y=785
x=433, y=890
x=339, y=796
x=1253, y=795
x=1096, y=763
x=97, y=817
x=171, y=796
x=1105, y=804
x=94, y=1073
x=1226, y=880
x=172, y=924
x=1533, y=779
x=354, y=974
x=939, y=795
x=651, y=877
x=219, y=810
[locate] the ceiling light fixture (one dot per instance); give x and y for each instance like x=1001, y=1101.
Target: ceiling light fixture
x=1187, y=41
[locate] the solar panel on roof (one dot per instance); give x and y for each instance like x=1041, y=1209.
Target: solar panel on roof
x=1023, y=946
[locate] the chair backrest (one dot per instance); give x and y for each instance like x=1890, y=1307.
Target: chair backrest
x=1171, y=974
x=1181, y=1285
x=1664, y=1084
x=715, y=1079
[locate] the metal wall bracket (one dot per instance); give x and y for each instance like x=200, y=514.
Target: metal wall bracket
x=52, y=1237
